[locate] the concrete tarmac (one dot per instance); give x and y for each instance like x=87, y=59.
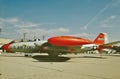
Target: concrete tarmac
x=82, y=66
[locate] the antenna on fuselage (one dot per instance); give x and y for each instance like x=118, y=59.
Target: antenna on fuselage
x=34, y=37
x=43, y=37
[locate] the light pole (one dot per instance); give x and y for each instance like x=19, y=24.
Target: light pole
x=24, y=36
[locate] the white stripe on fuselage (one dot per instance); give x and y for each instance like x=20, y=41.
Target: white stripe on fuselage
x=88, y=46
x=26, y=44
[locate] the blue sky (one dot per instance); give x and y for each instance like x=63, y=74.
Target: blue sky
x=82, y=18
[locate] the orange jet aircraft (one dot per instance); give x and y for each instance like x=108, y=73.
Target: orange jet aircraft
x=58, y=45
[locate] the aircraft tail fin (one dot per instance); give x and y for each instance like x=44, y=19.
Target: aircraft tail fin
x=102, y=38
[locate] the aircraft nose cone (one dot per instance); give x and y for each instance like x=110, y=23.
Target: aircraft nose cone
x=6, y=47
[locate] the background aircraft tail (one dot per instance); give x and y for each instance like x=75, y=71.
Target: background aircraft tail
x=102, y=38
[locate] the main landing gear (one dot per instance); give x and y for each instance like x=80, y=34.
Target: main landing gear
x=28, y=54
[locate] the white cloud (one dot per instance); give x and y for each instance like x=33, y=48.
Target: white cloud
x=12, y=20
x=115, y=3
x=112, y=17
x=84, y=27
x=82, y=35
x=31, y=32
x=15, y=22
x=26, y=25
x=59, y=30
x=37, y=32
x=85, y=35
x=9, y=20
x=111, y=21
x=14, y=28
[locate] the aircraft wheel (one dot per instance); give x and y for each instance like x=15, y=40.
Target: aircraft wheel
x=26, y=55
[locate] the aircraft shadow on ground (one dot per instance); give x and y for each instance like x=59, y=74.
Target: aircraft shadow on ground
x=45, y=58
x=96, y=57
x=114, y=55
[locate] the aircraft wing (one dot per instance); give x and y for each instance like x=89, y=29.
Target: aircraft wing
x=51, y=49
x=117, y=48
x=114, y=47
x=108, y=46
x=57, y=50
x=112, y=43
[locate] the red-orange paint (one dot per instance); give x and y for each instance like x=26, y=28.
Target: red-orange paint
x=68, y=41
